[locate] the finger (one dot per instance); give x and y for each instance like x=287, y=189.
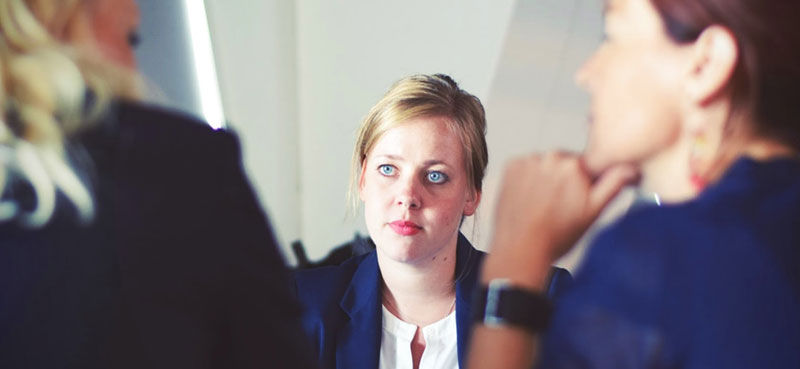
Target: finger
x=608, y=185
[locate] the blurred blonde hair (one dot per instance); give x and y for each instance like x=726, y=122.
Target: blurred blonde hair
x=419, y=96
x=45, y=92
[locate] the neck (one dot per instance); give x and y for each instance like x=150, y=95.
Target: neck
x=764, y=149
x=667, y=174
x=739, y=142
x=421, y=293
x=756, y=148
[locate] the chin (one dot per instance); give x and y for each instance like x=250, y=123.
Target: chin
x=404, y=252
x=405, y=255
x=596, y=163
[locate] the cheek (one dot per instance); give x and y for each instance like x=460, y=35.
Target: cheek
x=111, y=30
x=376, y=196
x=373, y=214
x=449, y=210
x=636, y=115
x=631, y=141
x=370, y=197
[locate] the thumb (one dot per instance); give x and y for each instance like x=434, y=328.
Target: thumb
x=608, y=185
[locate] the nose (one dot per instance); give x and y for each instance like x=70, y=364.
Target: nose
x=408, y=194
x=583, y=74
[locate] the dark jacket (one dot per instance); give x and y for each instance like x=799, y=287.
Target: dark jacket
x=343, y=306
x=179, y=269
x=710, y=283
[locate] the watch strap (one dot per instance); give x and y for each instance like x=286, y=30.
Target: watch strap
x=502, y=304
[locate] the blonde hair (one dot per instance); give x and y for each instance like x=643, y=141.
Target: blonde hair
x=45, y=85
x=425, y=96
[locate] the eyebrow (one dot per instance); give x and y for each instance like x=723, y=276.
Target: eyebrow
x=426, y=163
x=608, y=5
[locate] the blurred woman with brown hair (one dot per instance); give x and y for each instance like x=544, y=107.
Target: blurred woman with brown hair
x=700, y=97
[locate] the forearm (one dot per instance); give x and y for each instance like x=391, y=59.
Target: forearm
x=506, y=346
x=502, y=347
x=546, y=203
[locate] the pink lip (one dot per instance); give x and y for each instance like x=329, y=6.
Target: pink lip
x=405, y=228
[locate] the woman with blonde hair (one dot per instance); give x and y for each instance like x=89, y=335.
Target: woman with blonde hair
x=129, y=236
x=418, y=166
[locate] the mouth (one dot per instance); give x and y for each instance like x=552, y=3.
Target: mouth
x=405, y=228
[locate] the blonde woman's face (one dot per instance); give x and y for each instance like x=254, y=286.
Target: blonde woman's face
x=415, y=190
x=112, y=23
x=634, y=82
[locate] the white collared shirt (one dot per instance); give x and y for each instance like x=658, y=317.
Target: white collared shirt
x=441, y=343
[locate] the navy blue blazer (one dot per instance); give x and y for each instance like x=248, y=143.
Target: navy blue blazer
x=343, y=306
x=710, y=283
x=179, y=270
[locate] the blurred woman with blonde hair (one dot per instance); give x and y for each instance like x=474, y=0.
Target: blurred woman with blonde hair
x=129, y=235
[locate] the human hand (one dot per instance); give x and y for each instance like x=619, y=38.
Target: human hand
x=547, y=201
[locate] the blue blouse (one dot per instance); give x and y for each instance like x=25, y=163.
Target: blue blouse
x=711, y=283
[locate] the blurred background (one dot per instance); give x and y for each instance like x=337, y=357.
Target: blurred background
x=294, y=79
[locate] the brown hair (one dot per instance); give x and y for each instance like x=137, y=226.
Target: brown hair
x=420, y=96
x=766, y=81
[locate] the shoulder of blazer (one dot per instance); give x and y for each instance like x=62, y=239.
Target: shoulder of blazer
x=320, y=289
x=133, y=133
x=160, y=128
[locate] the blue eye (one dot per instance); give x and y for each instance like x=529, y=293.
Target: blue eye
x=386, y=169
x=437, y=177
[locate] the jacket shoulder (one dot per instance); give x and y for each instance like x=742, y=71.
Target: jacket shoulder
x=320, y=289
x=165, y=130
x=141, y=142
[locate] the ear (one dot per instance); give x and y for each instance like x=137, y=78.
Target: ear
x=473, y=199
x=715, y=54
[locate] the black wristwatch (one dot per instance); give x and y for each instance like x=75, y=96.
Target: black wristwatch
x=502, y=304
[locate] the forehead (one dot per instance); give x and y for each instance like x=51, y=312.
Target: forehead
x=119, y=9
x=614, y=8
x=120, y=5
x=612, y=5
x=636, y=17
x=421, y=138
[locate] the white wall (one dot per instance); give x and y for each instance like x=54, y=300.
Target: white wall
x=254, y=44
x=349, y=53
x=297, y=77
x=534, y=104
x=164, y=55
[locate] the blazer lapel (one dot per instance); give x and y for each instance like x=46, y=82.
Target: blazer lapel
x=358, y=342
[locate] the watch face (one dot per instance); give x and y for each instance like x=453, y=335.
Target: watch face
x=493, y=297
x=490, y=316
